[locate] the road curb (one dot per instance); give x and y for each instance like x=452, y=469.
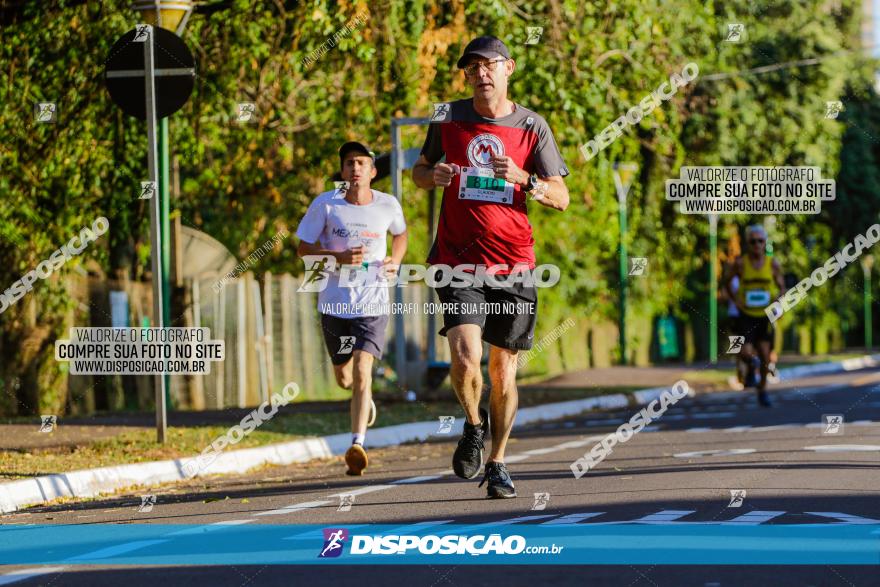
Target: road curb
x=93, y=482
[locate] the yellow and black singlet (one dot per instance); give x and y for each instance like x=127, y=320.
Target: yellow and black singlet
x=755, y=286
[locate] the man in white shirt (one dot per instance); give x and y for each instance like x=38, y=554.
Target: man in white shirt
x=351, y=225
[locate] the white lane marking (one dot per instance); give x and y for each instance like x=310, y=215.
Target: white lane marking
x=516, y=458
x=845, y=518
x=753, y=518
x=714, y=453
x=737, y=429
x=362, y=490
x=421, y=479
x=24, y=574
x=775, y=427
x=577, y=443
x=699, y=429
x=519, y=519
x=209, y=527
x=844, y=448
x=861, y=423
x=540, y=451
x=571, y=518
x=291, y=509
x=115, y=550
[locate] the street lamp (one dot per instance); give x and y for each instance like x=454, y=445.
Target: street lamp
x=172, y=15
x=168, y=14
x=867, y=263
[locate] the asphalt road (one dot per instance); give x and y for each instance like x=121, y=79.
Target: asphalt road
x=683, y=468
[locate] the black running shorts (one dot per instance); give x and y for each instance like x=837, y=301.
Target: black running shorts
x=343, y=336
x=756, y=329
x=507, y=315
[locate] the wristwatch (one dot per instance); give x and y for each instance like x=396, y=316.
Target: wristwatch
x=532, y=183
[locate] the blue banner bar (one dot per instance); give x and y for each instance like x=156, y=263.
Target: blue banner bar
x=527, y=544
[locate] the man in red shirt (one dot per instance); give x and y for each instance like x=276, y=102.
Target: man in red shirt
x=498, y=155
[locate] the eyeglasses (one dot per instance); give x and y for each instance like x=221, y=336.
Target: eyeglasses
x=752, y=241
x=474, y=68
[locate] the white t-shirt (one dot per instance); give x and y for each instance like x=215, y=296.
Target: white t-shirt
x=338, y=225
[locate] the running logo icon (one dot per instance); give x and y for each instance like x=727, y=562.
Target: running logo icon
x=735, y=32
x=341, y=188
x=318, y=269
x=346, y=500
x=148, y=190
x=533, y=35
x=736, y=343
x=441, y=112
x=346, y=345
x=737, y=496
x=147, y=503
x=833, y=423
x=446, y=423
x=246, y=111
x=639, y=264
x=47, y=423
x=141, y=35
x=45, y=112
x=832, y=109
x=333, y=542
x=541, y=501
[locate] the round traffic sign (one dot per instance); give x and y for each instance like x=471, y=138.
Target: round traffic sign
x=173, y=68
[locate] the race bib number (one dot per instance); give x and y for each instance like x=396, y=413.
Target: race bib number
x=478, y=183
x=757, y=298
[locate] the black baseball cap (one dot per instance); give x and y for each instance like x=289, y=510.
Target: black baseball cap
x=486, y=46
x=355, y=146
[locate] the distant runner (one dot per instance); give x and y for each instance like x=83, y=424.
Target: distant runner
x=351, y=226
x=757, y=275
x=498, y=155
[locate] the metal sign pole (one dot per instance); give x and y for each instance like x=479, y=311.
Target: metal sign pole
x=155, y=236
x=713, y=289
x=397, y=190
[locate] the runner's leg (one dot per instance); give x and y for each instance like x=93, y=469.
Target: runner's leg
x=362, y=393
x=343, y=374
x=466, y=349
x=764, y=353
x=503, y=398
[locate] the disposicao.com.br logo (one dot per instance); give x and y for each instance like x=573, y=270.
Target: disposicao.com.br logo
x=429, y=544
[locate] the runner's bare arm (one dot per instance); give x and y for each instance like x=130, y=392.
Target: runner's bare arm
x=551, y=191
x=398, y=250
x=733, y=270
x=424, y=173
x=398, y=247
x=350, y=257
x=555, y=195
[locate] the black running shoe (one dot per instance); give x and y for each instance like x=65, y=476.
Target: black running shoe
x=764, y=399
x=500, y=485
x=468, y=457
